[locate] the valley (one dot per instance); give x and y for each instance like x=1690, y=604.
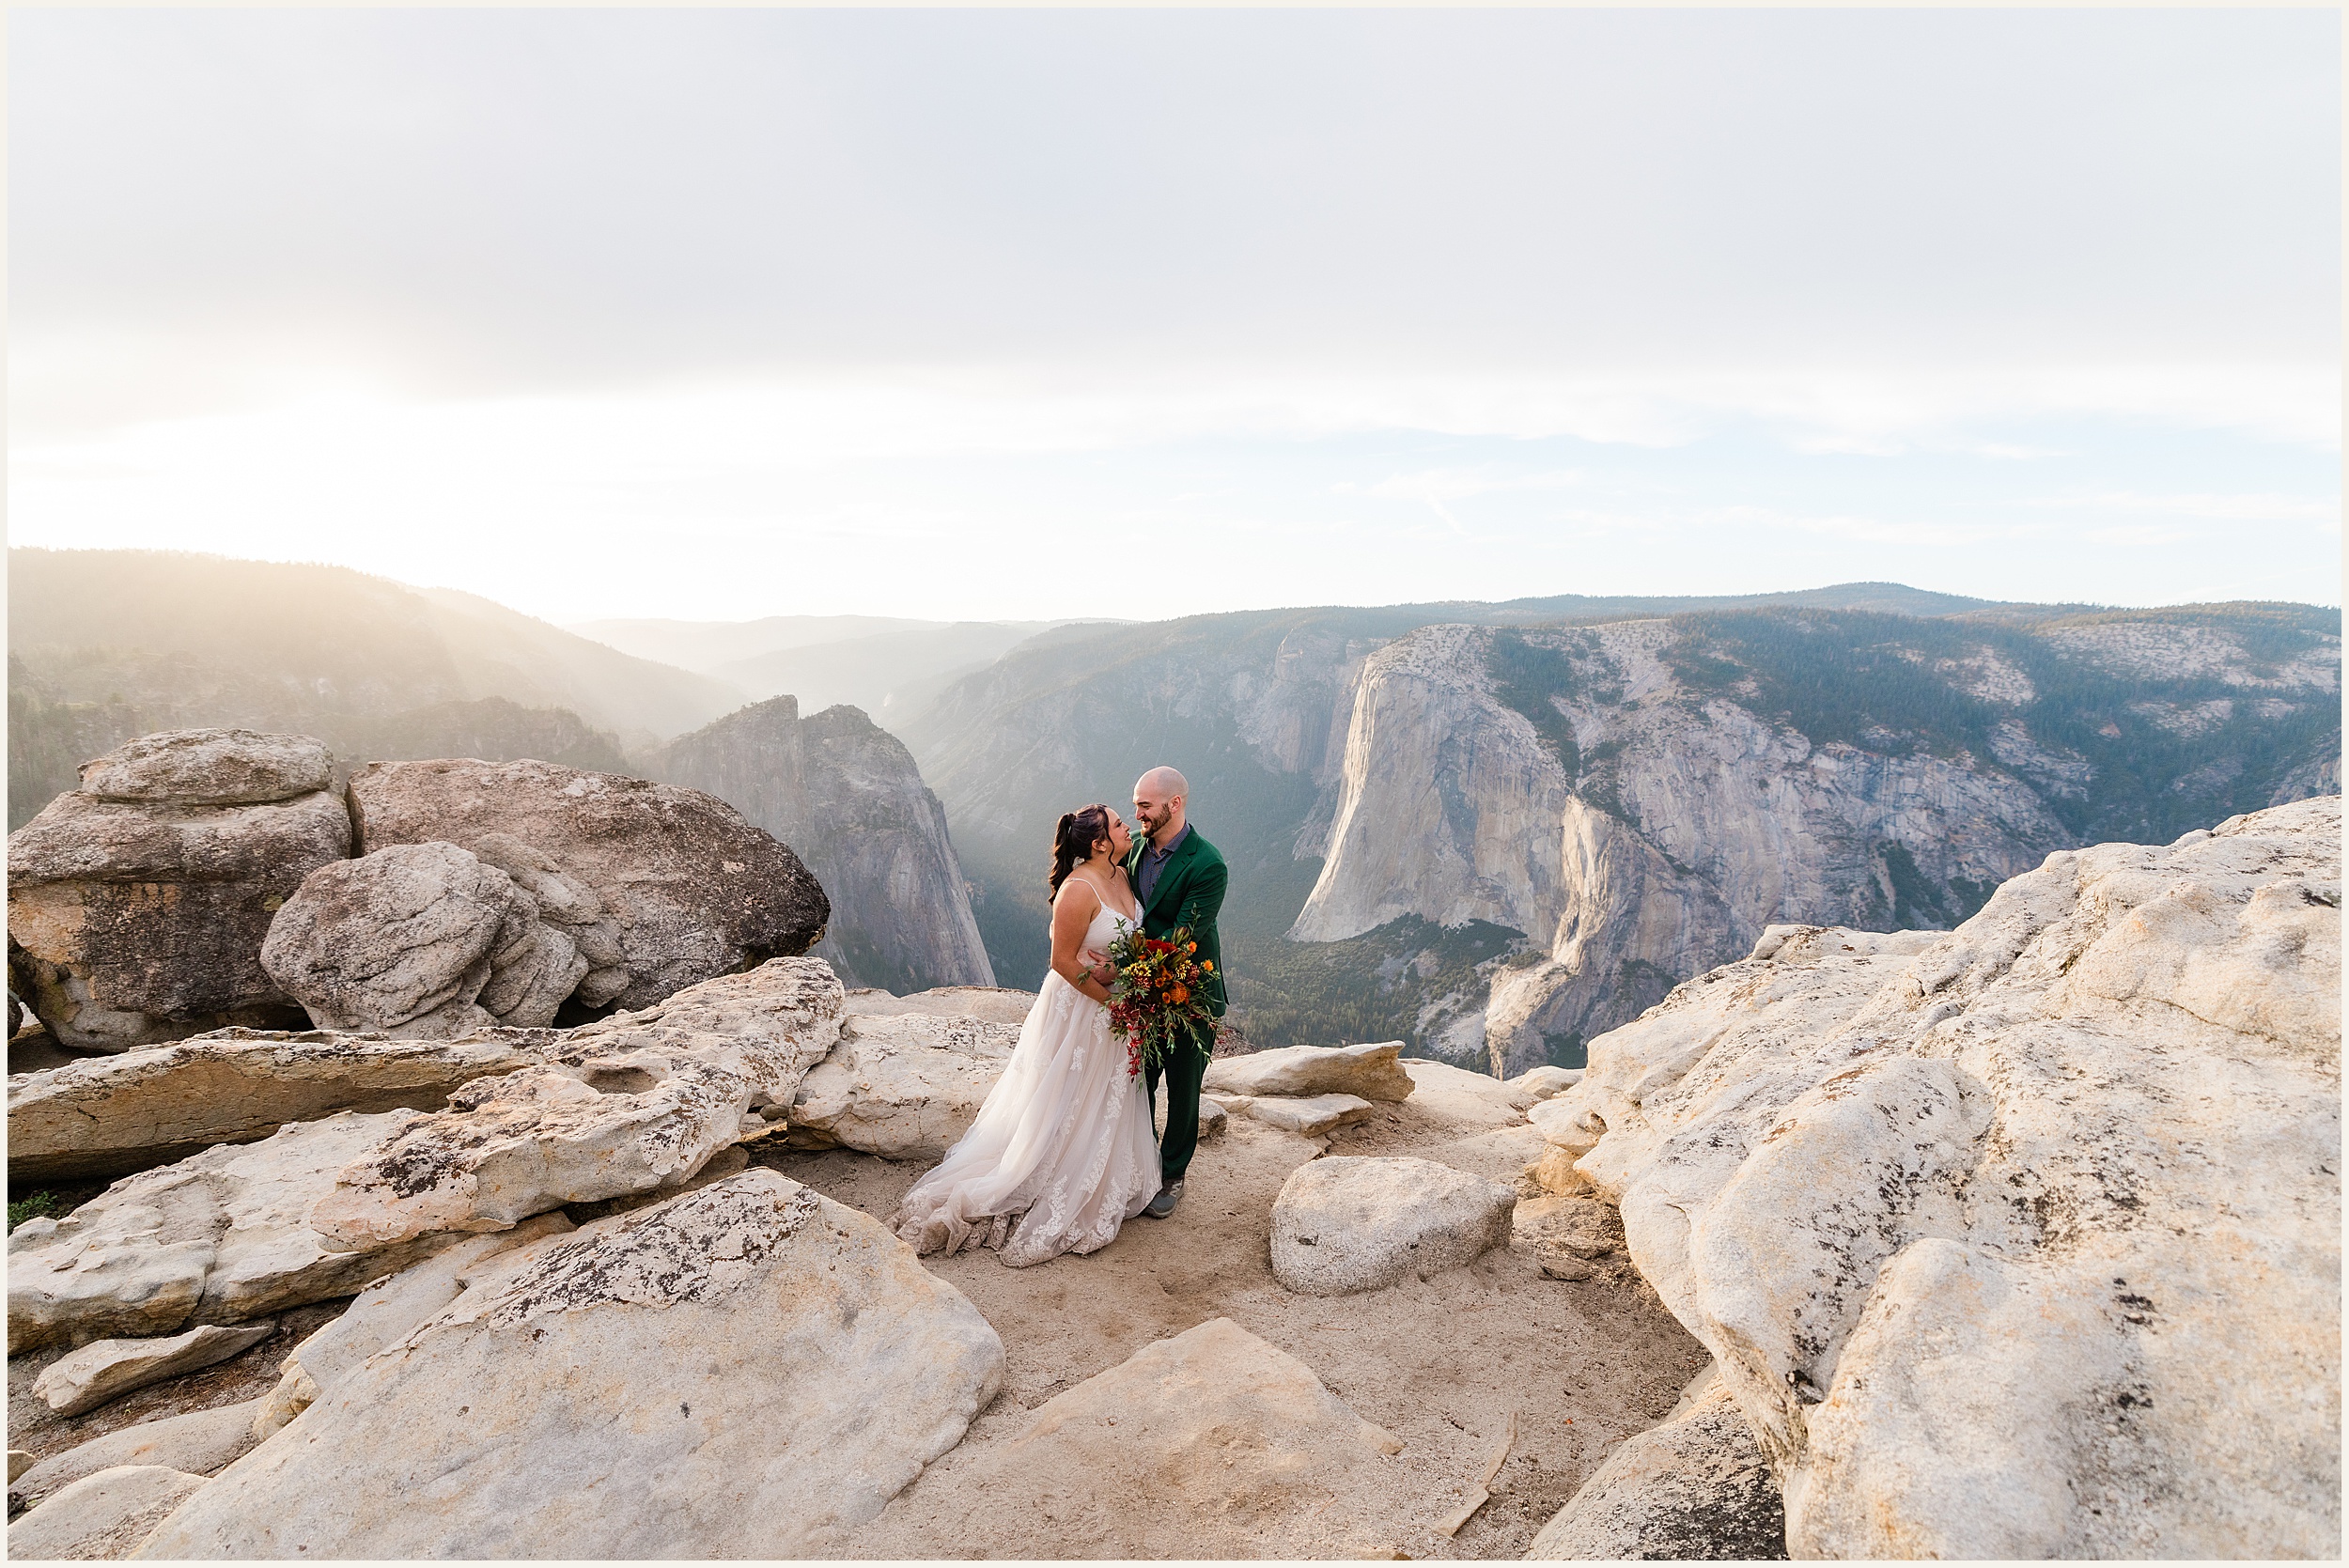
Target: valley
x=1492, y=831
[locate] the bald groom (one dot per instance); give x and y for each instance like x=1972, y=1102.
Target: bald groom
x=1179, y=878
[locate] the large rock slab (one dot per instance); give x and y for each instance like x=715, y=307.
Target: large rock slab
x=199, y=1442
x=635, y=1103
x=389, y=1310
x=1311, y=1116
x=986, y=1004
x=1347, y=1223
x=2026, y=1245
x=101, y=1517
x=607, y=1401
x=1210, y=1444
x=105, y=1116
x=140, y=919
x=690, y=890
x=903, y=1085
x=222, y=1237
x=1373, y=1071
x=85, y=1378
x=210, y=768
x=632, y=1105
x=1694, y=1487
x=422, y=941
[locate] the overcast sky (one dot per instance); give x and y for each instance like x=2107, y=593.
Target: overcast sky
x=721, y=313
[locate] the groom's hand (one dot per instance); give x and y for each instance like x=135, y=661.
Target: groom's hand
x=1102, y=972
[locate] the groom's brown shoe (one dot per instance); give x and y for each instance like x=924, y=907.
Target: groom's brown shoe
x=1163, y=1204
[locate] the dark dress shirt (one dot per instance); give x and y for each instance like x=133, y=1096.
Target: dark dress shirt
x=1153, y=861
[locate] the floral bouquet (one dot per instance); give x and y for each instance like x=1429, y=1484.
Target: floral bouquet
x=1159, y=994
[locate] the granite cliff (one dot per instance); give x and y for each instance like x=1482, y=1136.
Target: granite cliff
x=1497, y=831
x=1642, y=798
x=845, y=795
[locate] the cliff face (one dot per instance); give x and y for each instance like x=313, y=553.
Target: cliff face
x=1643, y=798
x=1252, y=707
x=846, y=797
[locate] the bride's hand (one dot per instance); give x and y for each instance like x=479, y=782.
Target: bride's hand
x=1099, y=968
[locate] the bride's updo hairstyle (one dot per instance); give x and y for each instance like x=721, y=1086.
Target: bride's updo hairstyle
x=1074, y=839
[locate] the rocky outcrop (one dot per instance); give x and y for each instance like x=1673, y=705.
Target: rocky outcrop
x=670, y=1432
x=635, y=1103
x=684, y=887
x=420, y=941
x=222, y=1237
x=85, y=1378
x=1694, y=1487
x=101, y=1515
x=1372, y=1071
x=903, y=1086
x=2002, y=1246
x=1212, y=1443
x=1347, y=1223
x=137, y=904
x=847, y=796
x=105, y=1116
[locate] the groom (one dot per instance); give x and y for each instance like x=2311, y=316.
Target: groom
x=1181, y=880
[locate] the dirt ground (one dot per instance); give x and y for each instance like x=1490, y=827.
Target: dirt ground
x=1441, y=1363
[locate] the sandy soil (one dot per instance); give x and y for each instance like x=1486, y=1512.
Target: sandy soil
x=1441, y=1363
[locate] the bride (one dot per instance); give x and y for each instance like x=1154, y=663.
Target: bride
x=1063, y=1152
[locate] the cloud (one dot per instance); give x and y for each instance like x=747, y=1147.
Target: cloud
x=2231, y=508
x=1510, y=222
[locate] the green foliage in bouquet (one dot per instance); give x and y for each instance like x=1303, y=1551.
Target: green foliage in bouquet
x=1158, y=998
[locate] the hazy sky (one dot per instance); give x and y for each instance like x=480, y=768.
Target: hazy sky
x=721, y=313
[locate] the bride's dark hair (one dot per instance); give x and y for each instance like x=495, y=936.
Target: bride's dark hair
x=1074, y=839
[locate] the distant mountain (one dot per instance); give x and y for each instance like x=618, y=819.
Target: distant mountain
x=1504, y=792
x=702, y=646
x=891, y=675
x=106, y=646
x=1254, y=705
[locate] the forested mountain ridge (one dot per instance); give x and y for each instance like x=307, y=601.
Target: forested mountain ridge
x=108, y=645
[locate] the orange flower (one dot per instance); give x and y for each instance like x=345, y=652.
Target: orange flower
x=1207, y=964
x=1191, y=947
x=1180, y=994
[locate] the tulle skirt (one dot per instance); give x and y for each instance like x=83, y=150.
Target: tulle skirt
x=1061, y=1153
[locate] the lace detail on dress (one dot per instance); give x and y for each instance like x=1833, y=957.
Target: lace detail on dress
x=1061, y=1155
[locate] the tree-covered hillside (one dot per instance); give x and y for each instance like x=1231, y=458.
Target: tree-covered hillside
x=106, y=646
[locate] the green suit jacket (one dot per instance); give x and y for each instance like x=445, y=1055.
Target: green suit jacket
x=1190, y=892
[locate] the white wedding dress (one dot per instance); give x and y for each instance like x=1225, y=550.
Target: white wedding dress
x=1062, y=1151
